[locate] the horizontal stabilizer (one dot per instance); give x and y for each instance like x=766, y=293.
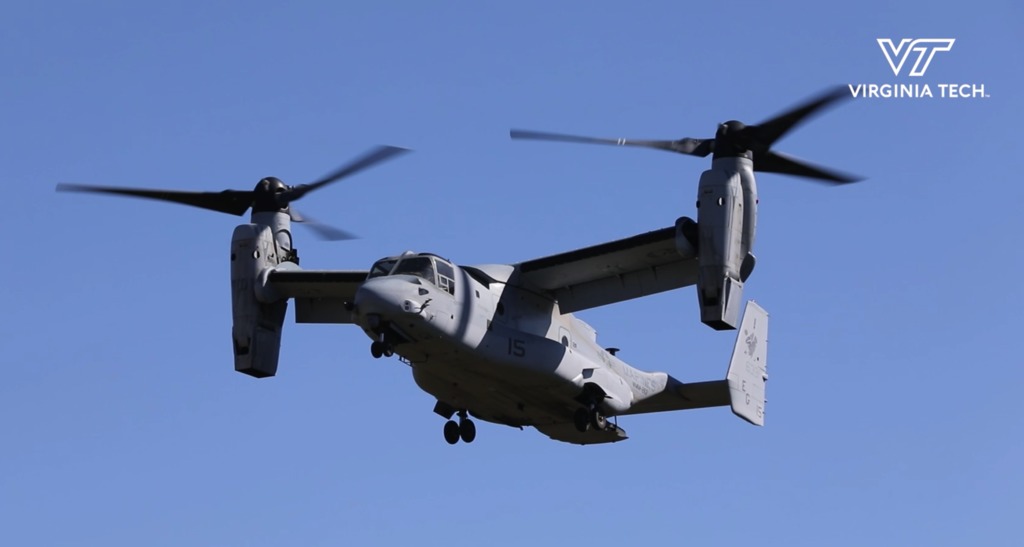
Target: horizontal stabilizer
x=748, y=368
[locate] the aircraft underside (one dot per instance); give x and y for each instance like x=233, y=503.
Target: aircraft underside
x=500, y=401
x=465, y=385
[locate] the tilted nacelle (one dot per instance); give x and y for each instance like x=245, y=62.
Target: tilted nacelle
x=257, y=250
x=257, y=318
x=727, y=197
x=726, y=225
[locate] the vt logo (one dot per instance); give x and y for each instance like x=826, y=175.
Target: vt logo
x=925, y=47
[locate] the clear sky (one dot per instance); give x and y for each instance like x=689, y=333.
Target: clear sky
x=894, y=413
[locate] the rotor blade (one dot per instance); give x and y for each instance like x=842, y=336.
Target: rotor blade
x=234, y=202
x=772, y=130
x=369, y=159
x=774, y=162
x=325, y=231
x=693, y=147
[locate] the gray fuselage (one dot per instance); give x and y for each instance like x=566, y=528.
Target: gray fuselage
x=479, y=341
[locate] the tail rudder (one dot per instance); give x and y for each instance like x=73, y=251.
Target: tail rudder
x=748, y=368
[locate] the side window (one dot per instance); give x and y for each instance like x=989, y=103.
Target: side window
x=446, y=277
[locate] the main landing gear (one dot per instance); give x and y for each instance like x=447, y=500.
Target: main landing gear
x=464, y=429
x=381, y=349
x=588, y=417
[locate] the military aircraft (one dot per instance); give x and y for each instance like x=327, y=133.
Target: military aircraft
x=499, y=342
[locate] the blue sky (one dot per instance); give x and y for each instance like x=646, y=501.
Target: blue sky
x=893, y=414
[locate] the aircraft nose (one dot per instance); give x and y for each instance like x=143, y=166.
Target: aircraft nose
x=375, y=297
x=387, y=298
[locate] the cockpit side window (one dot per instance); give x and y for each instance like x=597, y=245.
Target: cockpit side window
x=382, y=267
x=420, y=266
x=446, y=277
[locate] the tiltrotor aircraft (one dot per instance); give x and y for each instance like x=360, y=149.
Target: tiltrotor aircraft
x=499, y=341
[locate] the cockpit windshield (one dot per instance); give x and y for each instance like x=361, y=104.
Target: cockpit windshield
x=420, y=266
x=382, y=267
x=431, y=269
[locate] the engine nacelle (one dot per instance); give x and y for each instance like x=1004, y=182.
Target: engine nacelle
x=256, y=327
x=726, y=216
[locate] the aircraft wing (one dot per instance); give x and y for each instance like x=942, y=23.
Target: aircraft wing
x=321, y=296
x=611, y=272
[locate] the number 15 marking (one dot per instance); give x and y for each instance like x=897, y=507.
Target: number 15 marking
x=516, y=347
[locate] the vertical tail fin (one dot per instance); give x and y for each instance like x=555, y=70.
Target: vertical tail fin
x=748, y=368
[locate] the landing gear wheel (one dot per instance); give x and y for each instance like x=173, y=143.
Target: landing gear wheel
x=581, y=419
x=381, y=349
x=467, y=430
x=451, y=432
x=598, y=421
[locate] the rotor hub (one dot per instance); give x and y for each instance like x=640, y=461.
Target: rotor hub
x=268, y=195
x=733, y=140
